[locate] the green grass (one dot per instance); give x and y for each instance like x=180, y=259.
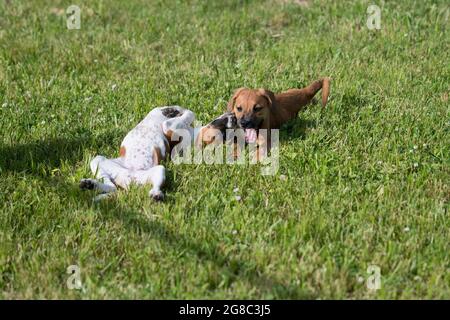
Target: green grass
x=367, y=178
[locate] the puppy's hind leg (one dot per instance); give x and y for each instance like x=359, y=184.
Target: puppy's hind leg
x=99, y=167
x=157, y=176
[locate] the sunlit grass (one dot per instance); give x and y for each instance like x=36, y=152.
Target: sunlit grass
x=366, y=181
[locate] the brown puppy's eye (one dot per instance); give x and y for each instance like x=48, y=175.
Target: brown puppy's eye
x=257, y=107
x=239, y=109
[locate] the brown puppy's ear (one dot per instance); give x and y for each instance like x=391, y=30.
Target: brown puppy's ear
x=269, y=95
x=230, y=105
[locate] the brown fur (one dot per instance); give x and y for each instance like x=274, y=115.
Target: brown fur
x=157, y=156
x=171, y=144
x=122, y=151
x=207, y=135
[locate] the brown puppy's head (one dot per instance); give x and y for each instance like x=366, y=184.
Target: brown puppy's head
x=252, y=109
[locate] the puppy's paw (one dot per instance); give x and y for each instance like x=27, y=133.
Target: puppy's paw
x=170, y=126
x=157, y=195
x=101, y=197
x=166, y=127
x=88, y=184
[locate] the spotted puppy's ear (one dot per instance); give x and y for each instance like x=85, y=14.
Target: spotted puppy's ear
x=225, y=121
x=232, y=101
x=269, y=96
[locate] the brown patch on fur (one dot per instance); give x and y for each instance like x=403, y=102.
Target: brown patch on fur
x=122, y=151
x=171, y=143
x=168, y=135
x=167, y=145
x=157, y=156
x=207, y=135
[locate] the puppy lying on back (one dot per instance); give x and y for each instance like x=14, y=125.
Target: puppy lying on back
x=141, y=153
x=262, y=109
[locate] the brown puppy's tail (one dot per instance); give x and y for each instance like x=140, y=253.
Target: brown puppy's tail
x=311, y=90
x=290, y=102
x=293, y=100
x=325, y=90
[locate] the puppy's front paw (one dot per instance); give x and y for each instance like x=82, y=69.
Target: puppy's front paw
x=157, y=195
x=169, y=126
x=88, y=184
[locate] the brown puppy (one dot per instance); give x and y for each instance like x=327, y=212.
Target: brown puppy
x=262, y=109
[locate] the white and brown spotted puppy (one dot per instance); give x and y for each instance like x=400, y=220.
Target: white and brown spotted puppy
x=141, y=153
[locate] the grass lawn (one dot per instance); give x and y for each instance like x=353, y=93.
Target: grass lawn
x=367, y=180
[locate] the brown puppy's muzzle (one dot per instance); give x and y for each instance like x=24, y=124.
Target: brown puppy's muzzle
x=249, y=122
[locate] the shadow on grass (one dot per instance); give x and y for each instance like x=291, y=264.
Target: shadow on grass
x=48, y=154
x=205, y=251
x=296, y=129
x=38, y=157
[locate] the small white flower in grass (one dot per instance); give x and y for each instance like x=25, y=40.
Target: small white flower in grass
x=238, y=198
x=406, y=229
x=235, y=189
x=234, y=232
x=360, y=279
x=283, y=177
x=99, y=110
x=415, y=147
x=415, y=165
x=380, y=191
x=424, y=145
x=411, y=150
x=43, y=122
x=87, y=99
x=4, y=105
x=113, y=87
x=379, y=162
